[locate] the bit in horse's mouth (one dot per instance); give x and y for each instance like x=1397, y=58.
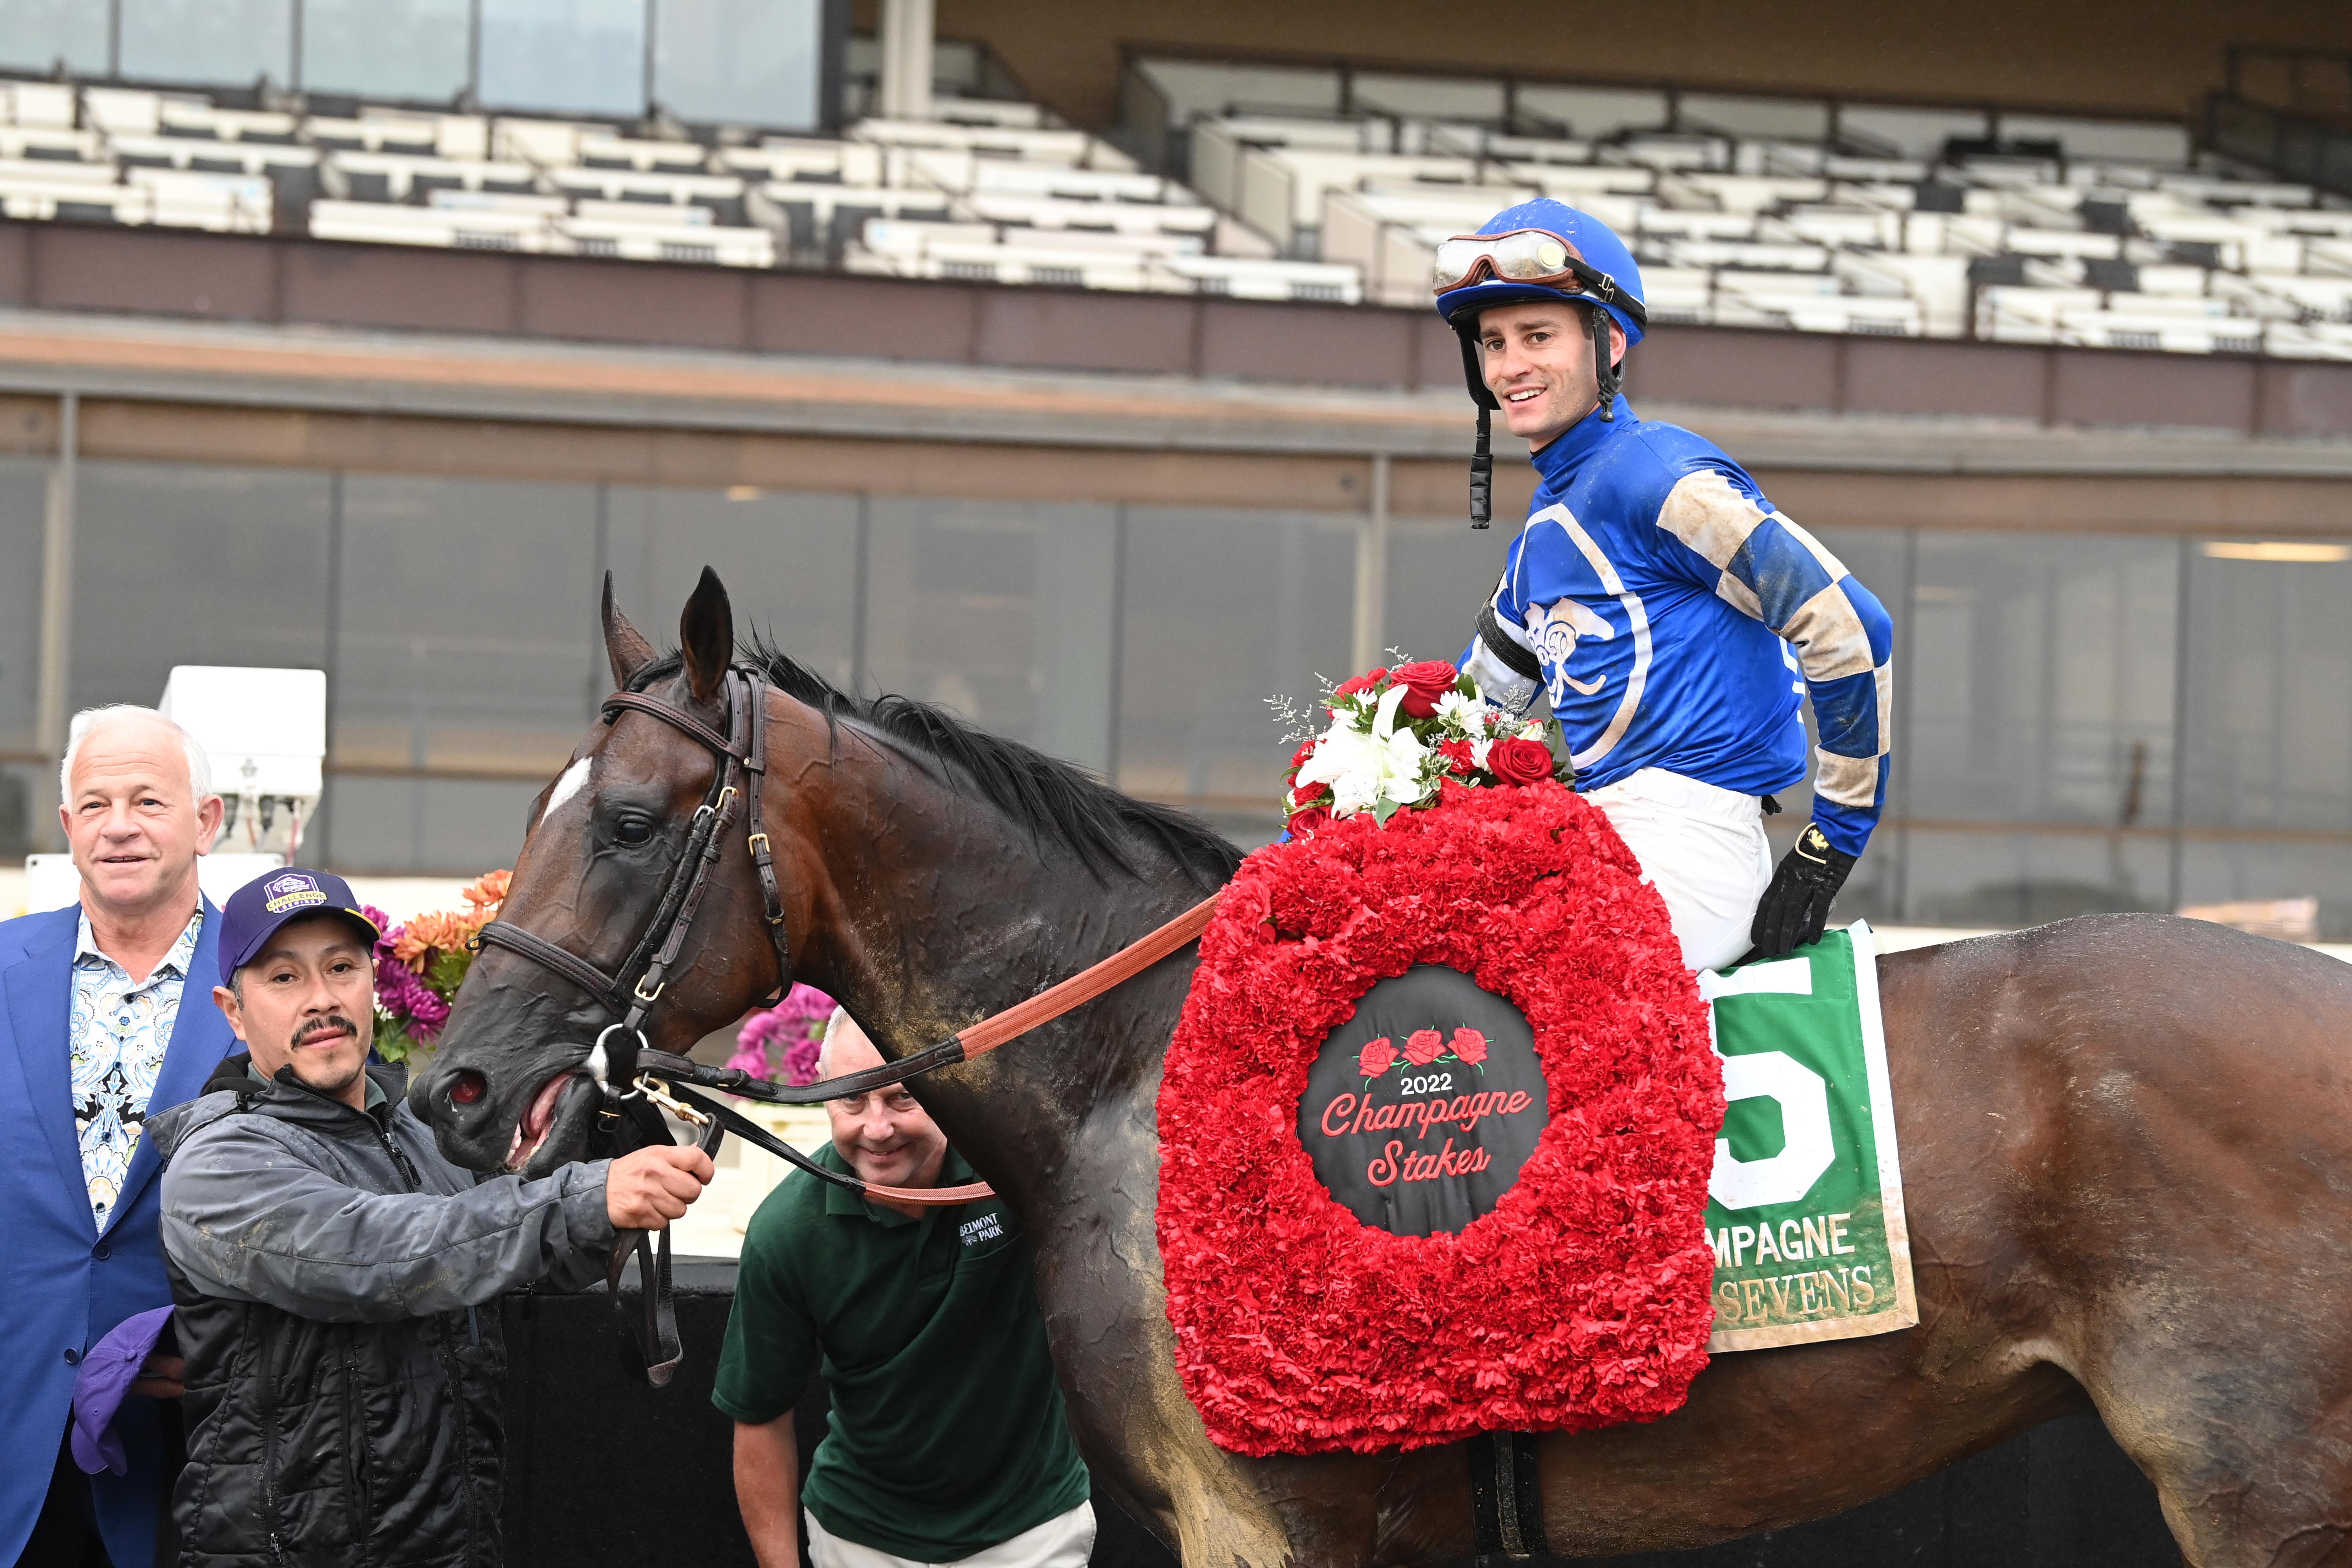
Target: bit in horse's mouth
x=537, y=1121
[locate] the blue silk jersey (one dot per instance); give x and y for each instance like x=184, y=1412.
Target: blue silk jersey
x=1678, y=618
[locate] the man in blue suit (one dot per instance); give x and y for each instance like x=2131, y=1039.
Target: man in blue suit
x=97, y=1030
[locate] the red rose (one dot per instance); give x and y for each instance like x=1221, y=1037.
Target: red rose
x=1519, y=761
x=1423, y=1047
x=1360, y=684
x=1303, y=824
x=1425, y=680
x=1470, y=1045
x=1377, y=1058
x=1305, y=750
x=1460, y=756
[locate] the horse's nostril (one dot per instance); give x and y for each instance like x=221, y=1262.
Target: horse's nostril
x=466, y=1088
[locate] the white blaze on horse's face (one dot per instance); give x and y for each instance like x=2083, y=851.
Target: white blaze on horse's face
x=574, y=780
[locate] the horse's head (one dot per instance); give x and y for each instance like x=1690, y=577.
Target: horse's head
x=606, y=865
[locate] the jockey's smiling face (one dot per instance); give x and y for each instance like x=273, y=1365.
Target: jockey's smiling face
x=1538, y=359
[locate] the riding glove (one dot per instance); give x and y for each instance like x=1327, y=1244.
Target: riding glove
x=1796, y=906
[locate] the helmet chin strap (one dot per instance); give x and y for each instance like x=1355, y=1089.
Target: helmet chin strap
x=1607, y=375
x=1482, y=458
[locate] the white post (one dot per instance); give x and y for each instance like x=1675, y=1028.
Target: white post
x=56, y=586
x=1373, y=573
x=906, y=29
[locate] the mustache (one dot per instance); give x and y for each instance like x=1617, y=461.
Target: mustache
x=331, y=1023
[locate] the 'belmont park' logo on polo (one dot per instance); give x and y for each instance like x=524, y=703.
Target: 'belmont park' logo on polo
x=290, y=891
x=1421, y=1108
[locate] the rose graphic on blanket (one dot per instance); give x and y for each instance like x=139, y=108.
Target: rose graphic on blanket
x=1423, y=1047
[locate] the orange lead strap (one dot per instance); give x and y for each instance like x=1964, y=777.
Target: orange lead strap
x=1088, y=984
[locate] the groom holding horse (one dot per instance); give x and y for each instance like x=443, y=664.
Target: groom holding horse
x=1662, y=604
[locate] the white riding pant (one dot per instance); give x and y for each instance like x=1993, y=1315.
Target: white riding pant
x=1066, y=1540
x=1703, y=849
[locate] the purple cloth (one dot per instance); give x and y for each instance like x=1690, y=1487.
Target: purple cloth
x=106, y=1375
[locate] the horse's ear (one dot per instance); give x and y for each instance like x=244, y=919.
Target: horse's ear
x=623, y=644
x=707, y=632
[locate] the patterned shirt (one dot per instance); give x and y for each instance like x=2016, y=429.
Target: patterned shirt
x=120, y=1032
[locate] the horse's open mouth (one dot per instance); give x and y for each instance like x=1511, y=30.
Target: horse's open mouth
x=540, y=1120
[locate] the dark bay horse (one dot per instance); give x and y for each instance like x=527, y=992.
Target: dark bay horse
x=2125, y=1146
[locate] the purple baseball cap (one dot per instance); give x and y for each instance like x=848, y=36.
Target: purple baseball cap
x=255, y=911
x=106, y=1376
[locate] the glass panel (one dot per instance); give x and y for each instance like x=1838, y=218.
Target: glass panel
x=413, y=826
x=566, y=57
x=1440, y=573
x=392, y=50
x=23, y=520
x=2041, y=685
x=2263, y=871
x=468, y=643
x=29, y=821
x=1221, y=610
x=788, y=561
x=1001, y=612
x=232, y=42
x=34, y=34
x=1992, y=878
x=751, y=62
x=2269, y=722
x=194, y=565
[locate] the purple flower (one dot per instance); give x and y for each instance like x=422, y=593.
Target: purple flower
x=800, y=1061
x=780, y=1042
x=401, y=993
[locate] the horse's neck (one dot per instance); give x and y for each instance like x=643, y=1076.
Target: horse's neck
x=955, y=914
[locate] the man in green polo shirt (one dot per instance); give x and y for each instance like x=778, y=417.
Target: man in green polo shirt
x=947, y=1442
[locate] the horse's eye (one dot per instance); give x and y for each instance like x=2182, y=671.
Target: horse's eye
x=633, y=830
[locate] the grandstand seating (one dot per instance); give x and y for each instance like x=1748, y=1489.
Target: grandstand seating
x=1747, y=212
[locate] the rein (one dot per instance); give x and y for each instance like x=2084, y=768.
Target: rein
x=639, y=1083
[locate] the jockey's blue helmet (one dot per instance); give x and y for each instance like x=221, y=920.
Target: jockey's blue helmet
x=1608, y=276
x=1539, y=250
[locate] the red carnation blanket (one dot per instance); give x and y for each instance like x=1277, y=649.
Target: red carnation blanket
x=1484, y=1213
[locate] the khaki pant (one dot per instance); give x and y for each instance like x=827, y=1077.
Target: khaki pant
x=1066, y=1540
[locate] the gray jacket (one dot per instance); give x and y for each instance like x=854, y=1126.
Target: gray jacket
x=326, y=1263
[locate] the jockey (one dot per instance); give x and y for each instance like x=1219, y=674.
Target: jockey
x=1670, y=613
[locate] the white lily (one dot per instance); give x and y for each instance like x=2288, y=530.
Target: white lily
x=1347, y=760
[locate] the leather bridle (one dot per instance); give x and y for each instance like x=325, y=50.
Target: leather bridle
x=625, y=1073
x=631, y=991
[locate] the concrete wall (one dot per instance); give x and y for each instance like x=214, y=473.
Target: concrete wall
x=308, y=283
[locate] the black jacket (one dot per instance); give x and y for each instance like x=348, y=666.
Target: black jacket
x=336, y=1284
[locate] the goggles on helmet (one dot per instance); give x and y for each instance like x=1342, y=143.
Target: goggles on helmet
x=1524, y=256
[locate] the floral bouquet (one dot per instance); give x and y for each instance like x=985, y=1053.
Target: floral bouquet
x=419, y=966
x=1397, y=737
x=781, y=1043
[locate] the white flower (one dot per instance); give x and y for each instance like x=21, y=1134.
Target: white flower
x=1401, y=761
x=1464, y=714
x=1532, y=732
x=1347, y=760
x=1362, y=768
x=1479, y=746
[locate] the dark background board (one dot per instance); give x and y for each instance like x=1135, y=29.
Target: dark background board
x=603, y=1471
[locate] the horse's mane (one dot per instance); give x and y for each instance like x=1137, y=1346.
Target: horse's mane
x=1049, y=797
